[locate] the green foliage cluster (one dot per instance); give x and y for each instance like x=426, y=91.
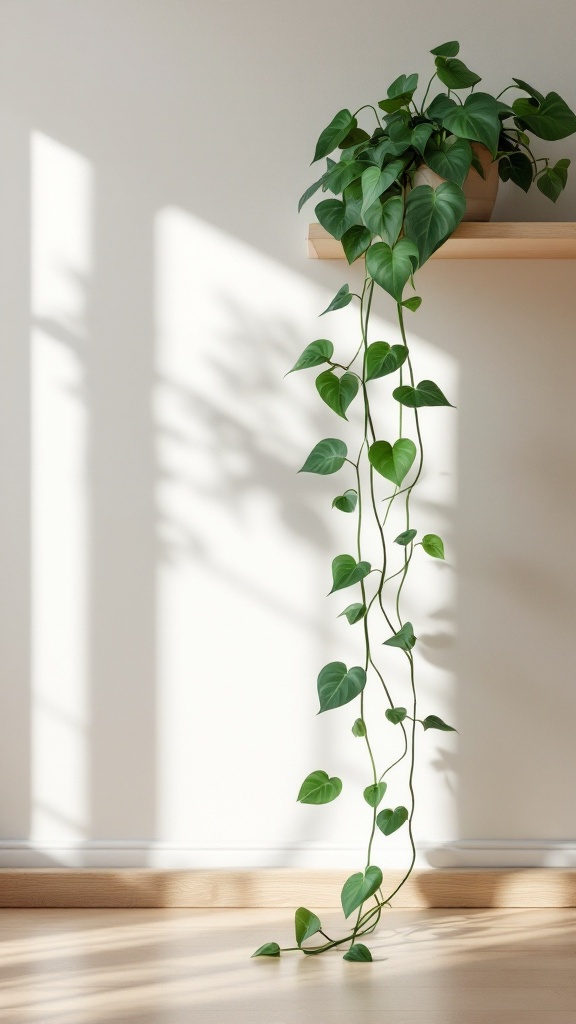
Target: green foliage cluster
x=398, y=227
x=374, y=174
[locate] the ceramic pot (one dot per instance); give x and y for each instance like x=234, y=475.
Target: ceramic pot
x=480, y=194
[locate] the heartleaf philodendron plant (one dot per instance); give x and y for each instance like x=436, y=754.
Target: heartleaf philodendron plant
x=398, y=225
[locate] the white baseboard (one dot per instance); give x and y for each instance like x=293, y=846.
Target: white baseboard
x=463, y=853
x=174, y=856
x=502, y=853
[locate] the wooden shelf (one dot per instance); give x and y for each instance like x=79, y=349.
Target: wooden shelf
x=479, y=241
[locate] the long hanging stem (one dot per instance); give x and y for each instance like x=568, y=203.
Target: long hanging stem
x=383, y=607
x=366, y=920
x=408, y=556
x=409, y=744
x=364, y=320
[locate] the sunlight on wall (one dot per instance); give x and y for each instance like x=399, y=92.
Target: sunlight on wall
x=225, y=458
x=61, y=262
x=243, y=625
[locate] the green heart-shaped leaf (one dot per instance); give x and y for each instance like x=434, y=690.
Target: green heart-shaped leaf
x=336, y=216
x=374, y=794
x=337, y=392
x=439, y=107
x=338, y=685
x=432, y=214
x=268, y=949
x=354, y=613
x=318, y=788
x=426, y=394
x=385, y=218
x=554, y=179
x=392, y=215
x=327, y=457
x=381, y=359
x=393, y=461
x=449, y=49
x=370, y=178
x=334, y=133
x=346, y=571
x=354, y=138
x=406, y=537
x=433, y=722
x=413, y=304
x=404, y=85
x=392, y=105
x=454, y=74
x=391, y=267
x=372, y=218
x=359, y=728
x=358, y=953
x=390, y=821
x=552, y=119
x=433, y=545
x=400, y=133
x=370, y=155
x=359, y=888
x=516, y=167
x=528, y=88
x=404, y=638
x=355, y=241
x=376, y=353
x=450, y=158
x=342, y=298
x=476, y=119
x=376, y=181
x=346, y=502
x=306, y=924
x=420, y=135
x=315, y=354
x=352, y=197
x=340, y=176
x=396, y=715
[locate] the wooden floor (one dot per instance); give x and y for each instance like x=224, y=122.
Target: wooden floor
x=496, y=966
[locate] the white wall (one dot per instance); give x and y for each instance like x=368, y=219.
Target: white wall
x=162, y=608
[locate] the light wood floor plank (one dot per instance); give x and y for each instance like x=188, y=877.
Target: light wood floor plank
x=175, y=966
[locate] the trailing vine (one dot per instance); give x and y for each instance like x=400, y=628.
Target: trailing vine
x=398, y=224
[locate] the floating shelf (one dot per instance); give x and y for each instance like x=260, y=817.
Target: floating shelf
x=479, y=241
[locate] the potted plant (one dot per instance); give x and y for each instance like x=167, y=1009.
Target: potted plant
x=403, y=189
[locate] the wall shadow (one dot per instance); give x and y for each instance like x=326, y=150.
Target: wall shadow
x=123, y=532
x=141, y=91
x=15, y=595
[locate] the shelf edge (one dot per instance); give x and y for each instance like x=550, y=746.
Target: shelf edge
x=475, y=240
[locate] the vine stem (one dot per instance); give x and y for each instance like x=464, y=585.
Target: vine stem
x=364, y=319
x=367, y=919
x=426, y=93
x=506, y=90
x=368, y=106
x=407, y=557
x=363, y=919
